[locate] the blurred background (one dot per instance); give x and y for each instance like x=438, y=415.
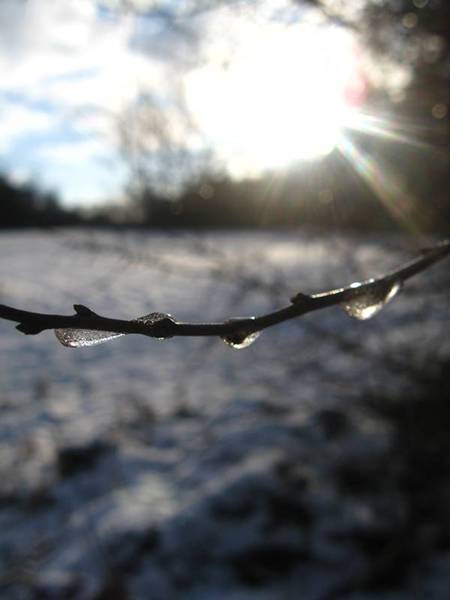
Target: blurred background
x=225, y=114
x=210, y=160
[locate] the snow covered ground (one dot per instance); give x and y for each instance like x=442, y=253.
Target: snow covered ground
x=186, y=469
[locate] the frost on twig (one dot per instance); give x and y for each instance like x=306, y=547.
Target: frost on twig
x=360, y=300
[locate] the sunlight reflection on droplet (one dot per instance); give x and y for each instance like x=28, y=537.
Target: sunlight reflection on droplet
x=239, y=341
x=242, y=338
x=370, y=302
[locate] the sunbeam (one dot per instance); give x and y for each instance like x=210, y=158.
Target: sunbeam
x=395, y=196
x=383, y=127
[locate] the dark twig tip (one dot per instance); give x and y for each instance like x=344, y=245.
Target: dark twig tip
x=84, y=311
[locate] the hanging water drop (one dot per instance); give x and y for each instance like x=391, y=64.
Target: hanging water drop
x=239, y=341
x=369, y=302
x=242, y=338
x=81, y=338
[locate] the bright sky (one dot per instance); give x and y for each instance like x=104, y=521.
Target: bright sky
x=264, y=93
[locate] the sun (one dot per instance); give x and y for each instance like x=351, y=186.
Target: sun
x=272, y=95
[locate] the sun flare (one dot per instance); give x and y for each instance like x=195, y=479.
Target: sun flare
x=280, y=96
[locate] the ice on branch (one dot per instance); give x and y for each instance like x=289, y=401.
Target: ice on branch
x=361, y=300
x=81, y=338
x=241, y=338
x=370, y=301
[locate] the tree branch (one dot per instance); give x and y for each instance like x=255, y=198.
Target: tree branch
x=360, y=299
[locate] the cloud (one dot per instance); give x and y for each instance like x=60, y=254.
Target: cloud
x=65, y=53
x=67, y=70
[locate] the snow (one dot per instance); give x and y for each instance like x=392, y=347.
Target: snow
x=184, y=468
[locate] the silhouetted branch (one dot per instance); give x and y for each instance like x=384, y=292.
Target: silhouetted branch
x=360, y=299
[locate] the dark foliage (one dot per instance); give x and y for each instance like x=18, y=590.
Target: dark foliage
x=26, y=206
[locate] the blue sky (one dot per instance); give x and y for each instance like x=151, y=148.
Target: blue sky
x=44, y=145
x=68, y=74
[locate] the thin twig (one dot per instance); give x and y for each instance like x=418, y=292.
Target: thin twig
x=165, y=326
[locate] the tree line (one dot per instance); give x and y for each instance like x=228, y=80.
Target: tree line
x=27, y=206
x=386, y=186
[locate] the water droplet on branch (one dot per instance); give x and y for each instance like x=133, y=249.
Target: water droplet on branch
x=369, y=302
x=242, y=338
x=82, y=338
x=238, y=340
